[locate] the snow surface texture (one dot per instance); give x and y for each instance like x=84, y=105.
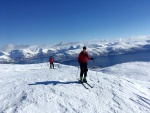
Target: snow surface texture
x=34, y=88
x=65, y=51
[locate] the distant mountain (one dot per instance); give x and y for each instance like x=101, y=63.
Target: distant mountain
x=64, y=51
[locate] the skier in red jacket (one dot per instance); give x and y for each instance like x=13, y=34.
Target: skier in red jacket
x=51, y=60
x=82, y=59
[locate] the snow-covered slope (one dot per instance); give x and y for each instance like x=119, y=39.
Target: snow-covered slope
x=63, y=51
x=35, y=88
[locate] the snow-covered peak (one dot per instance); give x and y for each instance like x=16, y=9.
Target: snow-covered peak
x=8, y=47
x=61, y=43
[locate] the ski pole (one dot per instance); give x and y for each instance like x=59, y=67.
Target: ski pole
x=96, y=70
x=77, y=73
x=97, y=75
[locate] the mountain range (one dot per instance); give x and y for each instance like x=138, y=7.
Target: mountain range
x=66, y=51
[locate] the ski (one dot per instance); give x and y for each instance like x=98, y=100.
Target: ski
x=83, y=83
x=84, y=86
x=89, y=85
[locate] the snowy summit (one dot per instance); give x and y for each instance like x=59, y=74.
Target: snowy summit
x=34, y=88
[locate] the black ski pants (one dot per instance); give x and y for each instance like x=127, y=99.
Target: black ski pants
x=83, y=69
x=51, y=65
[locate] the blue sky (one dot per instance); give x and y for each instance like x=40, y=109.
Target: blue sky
x=53, y=21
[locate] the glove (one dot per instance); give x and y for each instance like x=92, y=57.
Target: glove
x=92, y=59
x=80, y=62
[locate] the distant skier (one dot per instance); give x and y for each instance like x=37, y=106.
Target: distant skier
x=82, y=59
x=51, y=60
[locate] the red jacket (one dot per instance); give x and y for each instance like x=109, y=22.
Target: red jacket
x=51, y=60
x=83, y=57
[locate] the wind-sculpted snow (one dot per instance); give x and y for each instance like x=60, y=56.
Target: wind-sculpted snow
x=65, y=51
x=34, y=88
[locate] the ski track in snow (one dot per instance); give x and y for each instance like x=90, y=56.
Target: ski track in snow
x=35, y=88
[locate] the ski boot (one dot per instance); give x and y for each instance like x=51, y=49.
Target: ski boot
x=81, y=80
x=84, y=80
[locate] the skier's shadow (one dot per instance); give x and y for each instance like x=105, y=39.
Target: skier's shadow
x=54, y=83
